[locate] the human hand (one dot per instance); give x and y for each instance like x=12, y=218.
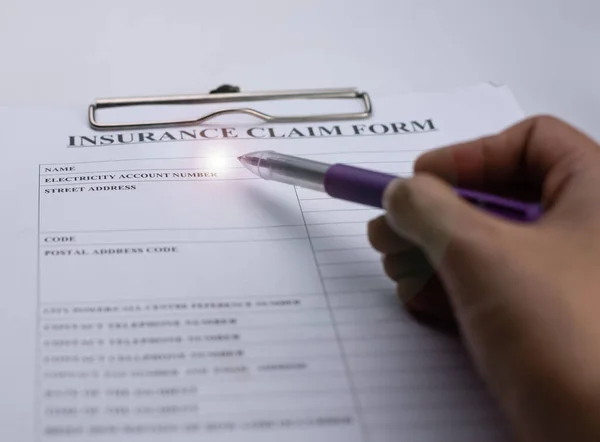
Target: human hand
x=526, y=298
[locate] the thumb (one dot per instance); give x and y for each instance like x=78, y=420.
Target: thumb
x=428, y=212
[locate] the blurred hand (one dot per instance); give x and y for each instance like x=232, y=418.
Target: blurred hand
x=526, y=298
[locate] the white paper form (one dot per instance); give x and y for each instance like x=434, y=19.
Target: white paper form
x=161, y=292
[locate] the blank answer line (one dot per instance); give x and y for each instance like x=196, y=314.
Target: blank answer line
x=304, y=154
x=199, y=168
x=401, y=388
x=340, y=210
x=431, y=428
x=300, y=154
x=362, y=276
x=370, y=275
x=347, y=262
x=208, y=229
x=199, y=300
x=354, y=235
x=335, y=223
x=342, y=249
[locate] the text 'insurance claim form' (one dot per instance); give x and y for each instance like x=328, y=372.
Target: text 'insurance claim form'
x=155, y=290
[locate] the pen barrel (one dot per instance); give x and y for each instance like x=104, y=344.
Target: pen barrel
x=506, y=208
x=367, y=187
x=357, y=185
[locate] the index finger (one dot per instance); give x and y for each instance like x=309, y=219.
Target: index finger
x=538, y=152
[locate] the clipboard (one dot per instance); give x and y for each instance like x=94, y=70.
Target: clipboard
x=231, y=94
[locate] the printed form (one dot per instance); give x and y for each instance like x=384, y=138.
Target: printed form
x=167, y=294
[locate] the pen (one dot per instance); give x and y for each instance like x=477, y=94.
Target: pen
x=365, y=186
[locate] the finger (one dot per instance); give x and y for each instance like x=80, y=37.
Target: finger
x=429, y=213
x=542, y=149
x=445, y=325
x=410, y=263
x=432, y=303
x=384, y=239
x=425, y=298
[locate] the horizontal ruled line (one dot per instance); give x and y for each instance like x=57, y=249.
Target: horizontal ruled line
x=52, y=232
x=335, y=223
x=203, y=168
x=445, y=387
x=201, y=300
x=355, y=235
x=373, y=275
x=338, y=210
x=299, y=154
x=342, y=249
x=346, y=262
x=345, y=248
x=436, y=429
x=362, y=151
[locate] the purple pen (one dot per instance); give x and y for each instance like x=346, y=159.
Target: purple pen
x=365, y=186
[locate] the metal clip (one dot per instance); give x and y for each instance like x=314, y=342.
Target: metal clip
x=348, y=93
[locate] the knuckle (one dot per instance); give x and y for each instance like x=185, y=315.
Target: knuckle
x=416, y=182
x=544, y=122
x=546, y=119
x=404, y=194
x=411, y=189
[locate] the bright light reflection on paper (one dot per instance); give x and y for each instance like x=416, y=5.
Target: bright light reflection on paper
x=216, y=161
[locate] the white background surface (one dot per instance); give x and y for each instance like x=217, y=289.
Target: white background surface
x=72, y=51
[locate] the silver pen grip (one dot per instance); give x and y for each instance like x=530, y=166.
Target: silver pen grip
x=293, y=170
